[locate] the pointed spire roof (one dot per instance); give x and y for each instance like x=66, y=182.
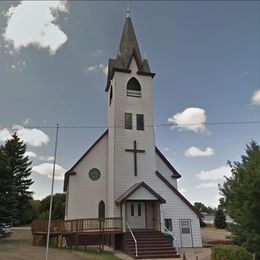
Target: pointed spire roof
x=128, y=48
x=128, y=44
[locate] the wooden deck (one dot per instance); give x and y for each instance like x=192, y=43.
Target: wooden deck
x=73, y=232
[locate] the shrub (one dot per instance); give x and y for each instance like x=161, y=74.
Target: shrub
x=220, y=219
x=230, y=252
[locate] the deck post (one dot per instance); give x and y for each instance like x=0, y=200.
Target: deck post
x=77, y=230
x=123, y=217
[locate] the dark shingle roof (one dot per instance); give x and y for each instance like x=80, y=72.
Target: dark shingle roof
x=128, y=48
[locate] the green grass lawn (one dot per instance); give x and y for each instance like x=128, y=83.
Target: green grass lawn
x=18, y=245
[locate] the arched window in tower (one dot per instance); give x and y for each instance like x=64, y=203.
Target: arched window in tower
x=101, y=209
x=133, y=88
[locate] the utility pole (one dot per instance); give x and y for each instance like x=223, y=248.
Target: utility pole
x=52, y=185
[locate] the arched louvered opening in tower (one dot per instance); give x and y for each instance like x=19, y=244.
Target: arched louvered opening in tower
x=133, y=88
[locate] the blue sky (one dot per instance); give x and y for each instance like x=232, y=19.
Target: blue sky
x=206, y=56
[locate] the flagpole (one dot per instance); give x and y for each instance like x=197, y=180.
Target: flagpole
x=52, y=185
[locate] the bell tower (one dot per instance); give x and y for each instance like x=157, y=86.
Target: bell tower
x=131, y=149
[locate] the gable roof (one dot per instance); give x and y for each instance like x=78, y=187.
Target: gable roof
x=175, y=174
x=135, y=187
x=71, y=170
x=197, y=212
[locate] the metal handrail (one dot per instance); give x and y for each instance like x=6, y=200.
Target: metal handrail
x=136, y=253
x=172, y=236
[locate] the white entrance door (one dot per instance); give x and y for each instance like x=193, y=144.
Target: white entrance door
x=135, y=214
x=186, y=235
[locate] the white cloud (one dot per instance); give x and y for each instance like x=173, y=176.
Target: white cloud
x=192, y=119
x=33, y=137
x=207, y=185
x=167, y=149
x=255, y=100
x=46, y=169
x=4, y=135
x=96, y=69
x=46, y=158
x=97, y=53
x=30, y=154
x=19, y=65
x=182, y=190
x=215, y=174
x=196, y=152
x=27, y=121
x=33, y=23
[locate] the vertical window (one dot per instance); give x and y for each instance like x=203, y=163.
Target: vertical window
x=168, y=224
x=139, y=209
x=132, y=209
x=185, y=227
x=140, y=122
x=128, y=121
x=110, y=95
x=101, y=209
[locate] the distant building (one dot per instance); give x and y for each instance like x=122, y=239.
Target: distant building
x=209, y=218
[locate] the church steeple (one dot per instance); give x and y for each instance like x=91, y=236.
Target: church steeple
x=128, y=48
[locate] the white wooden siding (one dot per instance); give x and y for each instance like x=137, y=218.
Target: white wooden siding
x=163, y=169
x=110, y=151
x=124, y=139
x=147, y=162
x=176, y=209
x=117, y=165
x=143, y=194
x=85, y=194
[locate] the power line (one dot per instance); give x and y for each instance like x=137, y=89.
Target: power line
x=120, y=126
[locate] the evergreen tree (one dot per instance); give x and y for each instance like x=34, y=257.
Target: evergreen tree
x=220, y=219
x=8, y=202
x=20, y=168
x=241, y=197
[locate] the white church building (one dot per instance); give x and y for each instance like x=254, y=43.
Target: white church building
x=123, y=174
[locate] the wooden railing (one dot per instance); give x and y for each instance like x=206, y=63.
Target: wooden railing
x=78, y=225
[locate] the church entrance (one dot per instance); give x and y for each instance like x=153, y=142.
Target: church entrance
x=135, y=214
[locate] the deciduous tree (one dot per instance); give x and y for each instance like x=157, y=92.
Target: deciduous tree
x=241, y=198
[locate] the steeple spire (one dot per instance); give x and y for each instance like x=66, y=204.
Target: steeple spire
x=128, y=10
x=128, y=48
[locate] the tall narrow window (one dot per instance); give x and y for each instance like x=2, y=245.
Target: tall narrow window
x=140, y=122
x=110, y=95
x=128, y=121
x=132, y=209
x=101, y=209
x=168, y=224
x=139, y=209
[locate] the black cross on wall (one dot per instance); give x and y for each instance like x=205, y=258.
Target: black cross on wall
x=135, y=151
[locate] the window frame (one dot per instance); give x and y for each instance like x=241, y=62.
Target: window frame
x=185, y=226
x=132, y=209
x=128, y=121
x=139, y=209
x=140, y=122
x=168, y=224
